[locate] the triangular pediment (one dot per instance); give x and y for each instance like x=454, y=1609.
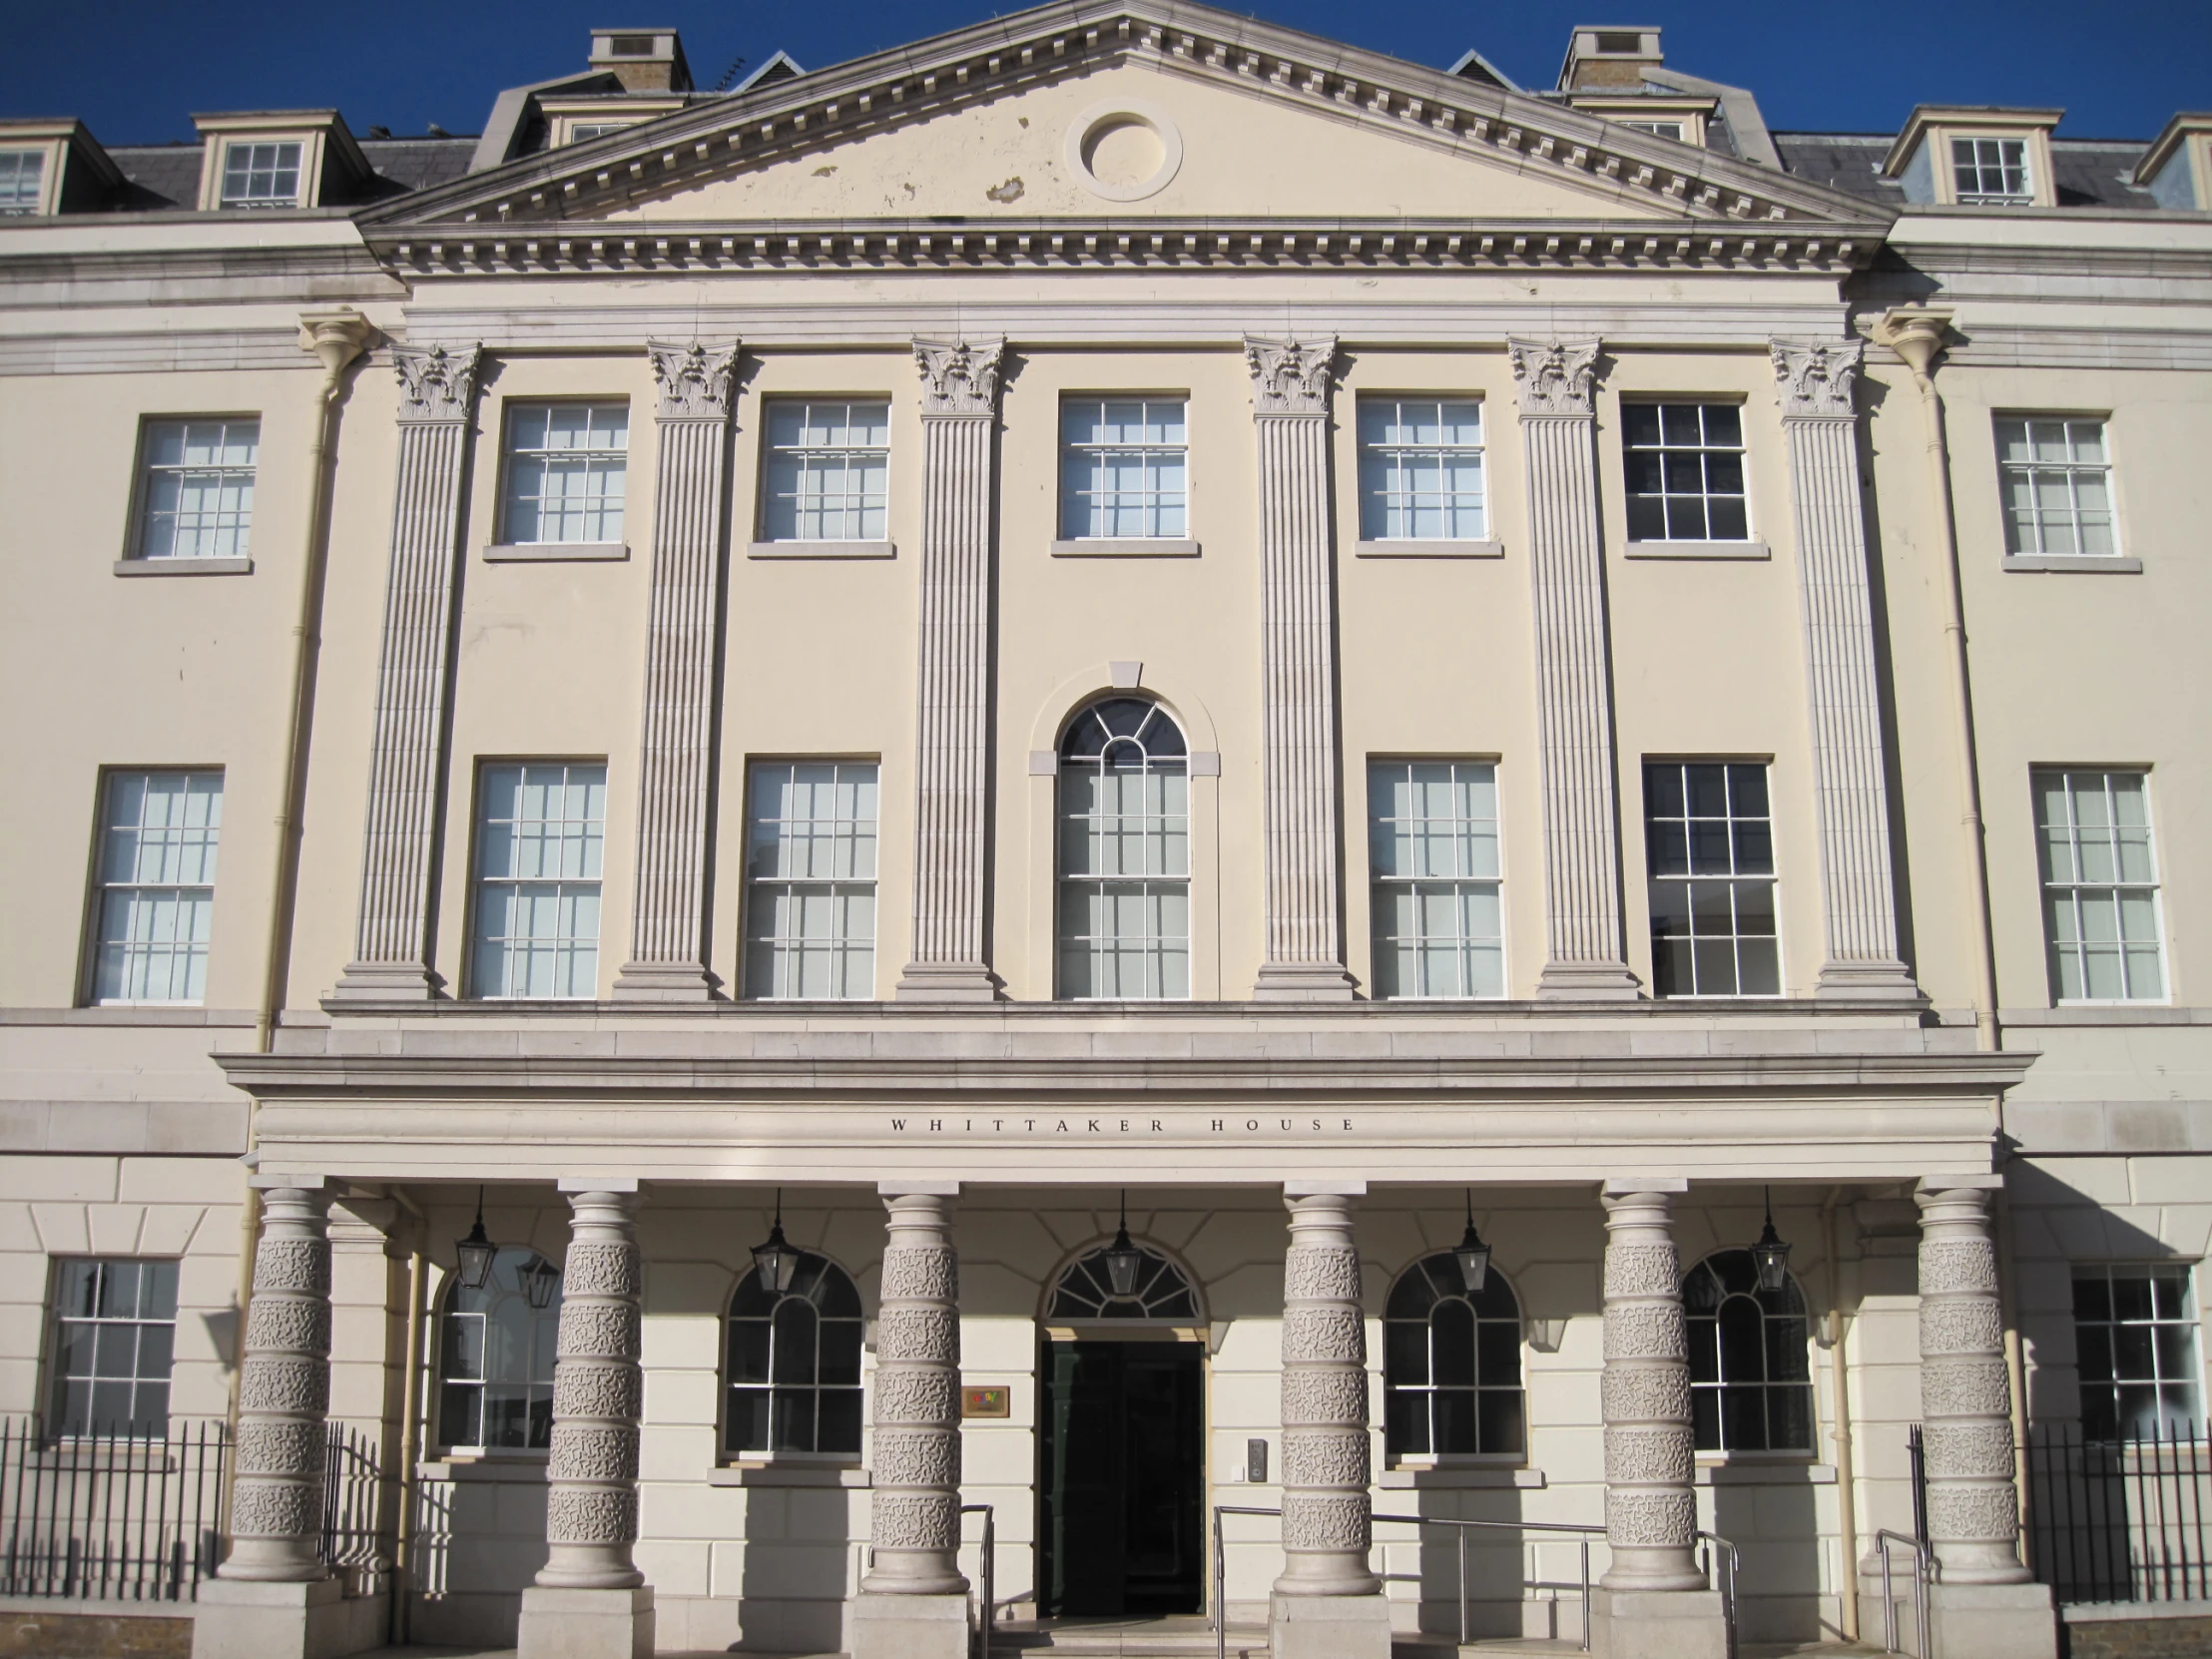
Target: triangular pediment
x=999, y=125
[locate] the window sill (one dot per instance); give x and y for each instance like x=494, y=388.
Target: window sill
x=517, y=1464
x=1696, y=550
x=552, y=552
x=184, y=567
x=1125, y=547
x=1439, y=549
x=822, y=550
x=2145, y=1012
x=2099, y=564
x=779, y=1473
x=1778, y=1468
x=1460, y=1476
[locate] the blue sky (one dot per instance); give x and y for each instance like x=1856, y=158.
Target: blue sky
x=135, y=70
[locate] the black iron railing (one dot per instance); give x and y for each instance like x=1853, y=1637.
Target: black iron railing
x=2120, y=1519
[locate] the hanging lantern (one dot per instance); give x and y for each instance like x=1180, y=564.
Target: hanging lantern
x=1472, y=1254
x=1772, y=1255
x=539, y=1280
x=776, y=1261
x=476, y=1250
x=1123, y=1259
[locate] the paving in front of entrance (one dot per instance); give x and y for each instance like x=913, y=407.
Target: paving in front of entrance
x=1192, y=1638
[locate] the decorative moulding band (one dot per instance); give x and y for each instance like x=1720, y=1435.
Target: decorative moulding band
x=2100, y=564
x=184, y=567
x=821, y=550
x=548, y=552
x=1696, y=550
x=1429, y=550
x=1125, y=547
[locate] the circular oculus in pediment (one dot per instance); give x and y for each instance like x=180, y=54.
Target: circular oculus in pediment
x=1124, y=152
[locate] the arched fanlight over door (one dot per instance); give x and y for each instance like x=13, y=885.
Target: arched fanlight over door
x=1124, y=854
x=1158, y=1290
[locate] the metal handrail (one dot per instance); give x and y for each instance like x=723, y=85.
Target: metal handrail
x=1734, y=1560
x=1924, y=1569
x=991, y=1575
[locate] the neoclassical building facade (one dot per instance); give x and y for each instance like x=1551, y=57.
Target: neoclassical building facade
x=1266, y=821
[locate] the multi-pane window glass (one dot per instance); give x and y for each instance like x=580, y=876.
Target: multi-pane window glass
x=2135, y=1347
x=596, y=129
x=1658, y=129
x=829, y=471
x=2056, y=479
x=1432, y=846
x=1158, y=1292
x=541, y=831
x=1751, y=1383
x=115, y=1329
x=21, y=173
x=1991, y=169
x=567, y=466
x=2100, y=885
x=198, y=494
x=794, y=1362
x=1420, y=469
x=1125, y=854
x=1685, y=464
x=496, y=1373
x=1452, y=1364
x=261, y=176
x=1711, y=848
x=1123, y=467
x=810, y=927
x=158, y=840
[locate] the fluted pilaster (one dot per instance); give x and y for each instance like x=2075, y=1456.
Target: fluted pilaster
x=1859, y=898
x=915, y=1503
x=591, y=1507
x=284, y=1396
x=391, y=951
x=668, y=925
x=1973, y=1513
x=1644, y=1397
x=1328, y=1512
x=1303, y=958
x=959, y=415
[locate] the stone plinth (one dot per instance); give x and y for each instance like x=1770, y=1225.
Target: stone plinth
x=910, y=1627
x=1657, y=1624
x=586, y=1624
x=1328, y=1627
x=242, y=1618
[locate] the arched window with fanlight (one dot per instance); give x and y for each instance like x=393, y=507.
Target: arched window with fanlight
x=795, y=1361
x=1452, y=1364
x=1751, y=1380
x=495, y=1356
x=1124, y=854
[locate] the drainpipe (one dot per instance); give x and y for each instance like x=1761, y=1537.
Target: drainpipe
x=1916, y=334
x=1847, y=1477
x=337, y=338
x=410, y=1425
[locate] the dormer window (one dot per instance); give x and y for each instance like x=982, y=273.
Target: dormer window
x=22, y=173
x=583, y=130
x=261, y=176
x=1992, y=172
x=1659, y=129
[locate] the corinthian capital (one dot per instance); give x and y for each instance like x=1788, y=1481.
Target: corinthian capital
x=694, y=380
x=1290, y=377
x=437, y=384
x=1816, y=374
x=1555, y=376
x=958, y=378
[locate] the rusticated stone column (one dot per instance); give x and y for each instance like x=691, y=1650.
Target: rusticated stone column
x=1304, y=961
x=1574, y=684
x=591, y=1506
x=959, y=415
x=1327, y=1530
x=285, y=1396
x=1644, y=1393
x=1859, y=895
x=668, y=922
x=1973, y=1512
x=406, y=762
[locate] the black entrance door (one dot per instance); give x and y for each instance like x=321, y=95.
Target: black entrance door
x=1120, y=1454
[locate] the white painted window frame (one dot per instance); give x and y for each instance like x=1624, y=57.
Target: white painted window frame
x=1154, y=502
x=849, y=839
x=600, y=465
x=1461, y=883
x=825, y=460
x=254, y=169
x=1981, y=166
x=2048, y=889
x=569, y=889
x=2071, y=469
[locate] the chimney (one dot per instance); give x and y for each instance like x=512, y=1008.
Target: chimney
x=1604, y=57
x=643, y=60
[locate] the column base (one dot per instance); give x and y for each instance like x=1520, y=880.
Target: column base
x=1885, y=982
x=385, y=982
x=585, y=1624
x=945, y=982
x=1328, y=1627
x=1658, y=1624
x=1587, y=982
x=1964, y=1621
x=1303, y=982
x=909, y=1627
x=664, y=983
x=243, y=1619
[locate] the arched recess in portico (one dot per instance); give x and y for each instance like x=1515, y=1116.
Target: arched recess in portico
x=1068, y=698
x=1164, y=1276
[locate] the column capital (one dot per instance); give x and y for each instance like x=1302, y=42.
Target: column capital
x=1290, y=377
x=694, y=380
x=959, y=377
x=1554, y=377
x=437, y=384
x=1817, y=377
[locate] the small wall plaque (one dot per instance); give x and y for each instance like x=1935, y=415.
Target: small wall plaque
x=984, y=1402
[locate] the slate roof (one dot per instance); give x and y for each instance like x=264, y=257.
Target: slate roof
x=166, y=175
x=2092, y=173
